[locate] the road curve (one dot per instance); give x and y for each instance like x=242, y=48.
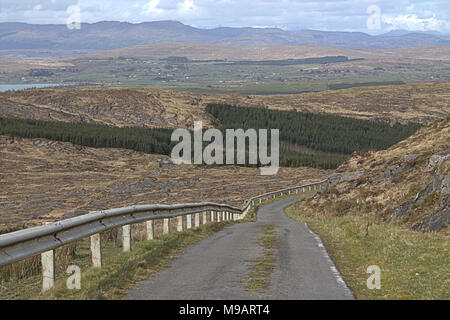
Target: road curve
x=214, y=268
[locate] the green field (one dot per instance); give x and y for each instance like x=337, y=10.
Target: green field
x=245, y=77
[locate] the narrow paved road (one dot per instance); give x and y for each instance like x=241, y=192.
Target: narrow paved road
x=215, y=267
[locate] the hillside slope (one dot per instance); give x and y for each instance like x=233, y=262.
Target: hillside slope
x=407, y=184
x=420, y=103
x=43, y=180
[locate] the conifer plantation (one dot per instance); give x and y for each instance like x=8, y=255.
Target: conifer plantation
x=329, y=139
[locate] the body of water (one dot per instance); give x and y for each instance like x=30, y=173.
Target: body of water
x=9, y=87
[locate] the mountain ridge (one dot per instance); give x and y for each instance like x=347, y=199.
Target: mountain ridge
x=106, y=35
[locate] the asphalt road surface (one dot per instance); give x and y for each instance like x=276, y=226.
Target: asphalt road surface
x=214, y=268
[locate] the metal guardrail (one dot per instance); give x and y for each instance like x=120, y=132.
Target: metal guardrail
x=43, y=240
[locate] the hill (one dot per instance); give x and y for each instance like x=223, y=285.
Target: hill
x=58, y=40
x=43, y=180
x=407, y=184
x=422, y=103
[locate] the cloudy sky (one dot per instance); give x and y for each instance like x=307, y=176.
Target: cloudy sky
x=372, y=16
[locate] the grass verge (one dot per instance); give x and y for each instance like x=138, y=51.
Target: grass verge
x=413, y=265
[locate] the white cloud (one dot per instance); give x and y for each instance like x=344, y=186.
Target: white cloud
x=349, y=15
x=152, y=7
x=415, y=23
x=187, y=6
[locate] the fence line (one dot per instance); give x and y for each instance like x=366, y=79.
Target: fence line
x=45, y=239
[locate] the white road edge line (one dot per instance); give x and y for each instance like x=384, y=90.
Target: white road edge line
x=333, y=268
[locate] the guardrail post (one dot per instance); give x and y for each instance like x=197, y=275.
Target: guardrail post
x=223, y=216
x=296, y=191
x=165, y=225
x=48, y=270
x=149, y=225
x=188, y=221
x=180, y=223
x=212, y=216
x=126, y=238
x=197, y=219
x=218, y=214
x=96, y=250
x=204, y=217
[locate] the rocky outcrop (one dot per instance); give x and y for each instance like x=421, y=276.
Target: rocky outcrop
x=402, y=210
x=437, y=159
x=437, y=219
x=338, y=178
x=392, y=171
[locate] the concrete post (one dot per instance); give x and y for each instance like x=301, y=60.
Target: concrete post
x=197, y=219
x=204, y=217
x=96, y=250
x=260, y=200
x=48, y=270
x=212, y=216
x=218, y=214
x=223, y=215
x=180, y=223
x=126, y=238
x=149, y=225
x=166, y=226
x=188, y=221
x=304, y=189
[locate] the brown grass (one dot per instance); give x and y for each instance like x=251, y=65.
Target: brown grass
x=42, y=181
x=172, y=109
